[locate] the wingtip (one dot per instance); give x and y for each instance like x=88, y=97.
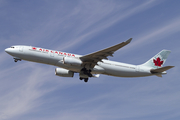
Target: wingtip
x=172, y=66
x=129, y=40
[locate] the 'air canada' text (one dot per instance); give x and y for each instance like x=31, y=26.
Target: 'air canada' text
x=51, y=51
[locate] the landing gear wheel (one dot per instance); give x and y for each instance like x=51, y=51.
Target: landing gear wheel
x=81, y=78
x=17, y=59
x=85, y=79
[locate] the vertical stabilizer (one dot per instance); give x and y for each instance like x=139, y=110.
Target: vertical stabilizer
x=158, y=60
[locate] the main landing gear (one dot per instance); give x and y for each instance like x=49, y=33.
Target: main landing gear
x=85, y=74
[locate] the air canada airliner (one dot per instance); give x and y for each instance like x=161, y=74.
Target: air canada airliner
x=90, y=65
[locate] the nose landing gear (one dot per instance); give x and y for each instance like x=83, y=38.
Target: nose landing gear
x=17, y=59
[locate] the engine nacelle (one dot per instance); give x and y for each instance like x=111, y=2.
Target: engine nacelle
x=63, y=72
x=72, y=61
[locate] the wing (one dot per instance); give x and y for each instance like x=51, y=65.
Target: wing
x=92, y=59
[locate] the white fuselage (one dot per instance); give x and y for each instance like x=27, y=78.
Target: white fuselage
x=52, y=57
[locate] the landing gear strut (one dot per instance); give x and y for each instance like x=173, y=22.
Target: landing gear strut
x=87, y=72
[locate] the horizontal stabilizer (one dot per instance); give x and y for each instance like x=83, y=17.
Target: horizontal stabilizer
x=159, y=75
x=160, y=70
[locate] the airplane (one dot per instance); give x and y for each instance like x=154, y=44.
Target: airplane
x=91, y=65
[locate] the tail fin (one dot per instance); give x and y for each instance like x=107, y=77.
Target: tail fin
x=158, y=60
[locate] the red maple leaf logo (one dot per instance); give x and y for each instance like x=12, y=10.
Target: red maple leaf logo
x=33, y=48
x=158, y=62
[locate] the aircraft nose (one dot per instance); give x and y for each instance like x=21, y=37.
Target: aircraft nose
x=7, y=50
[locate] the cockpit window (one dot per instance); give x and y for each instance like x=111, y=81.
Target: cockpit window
x=12, y=47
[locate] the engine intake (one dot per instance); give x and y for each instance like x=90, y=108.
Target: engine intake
x=72, y=61
x=63, y=72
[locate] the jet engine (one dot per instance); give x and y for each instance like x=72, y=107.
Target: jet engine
x=63, y=72
x=72, y=61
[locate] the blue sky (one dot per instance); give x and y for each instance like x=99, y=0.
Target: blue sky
x=32, y=91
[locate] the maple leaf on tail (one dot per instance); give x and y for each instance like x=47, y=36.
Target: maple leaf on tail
x=158, y=62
